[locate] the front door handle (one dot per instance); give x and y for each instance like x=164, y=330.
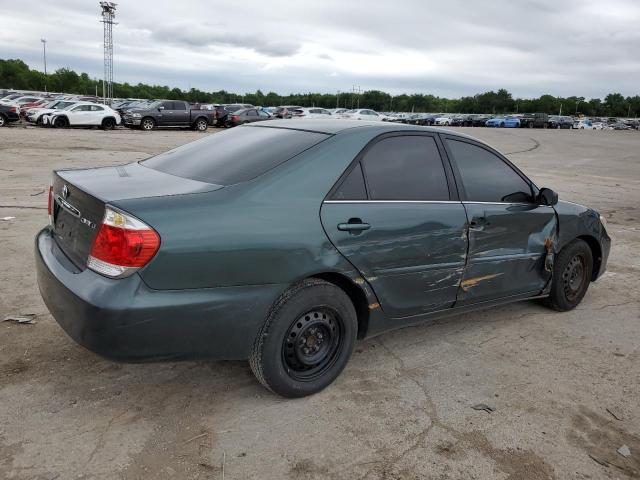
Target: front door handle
x=477, y=223
x=354, y=225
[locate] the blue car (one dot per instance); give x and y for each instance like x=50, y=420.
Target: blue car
x=503, y=122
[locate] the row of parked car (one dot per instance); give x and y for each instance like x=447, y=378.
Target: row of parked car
x=68, y=111
x=526, y=120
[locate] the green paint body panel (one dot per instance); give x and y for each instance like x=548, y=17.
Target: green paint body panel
x=227, y=253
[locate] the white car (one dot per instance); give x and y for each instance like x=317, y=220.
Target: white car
x=598, y=126
x=363, y=114
x=337, y=112
x=442, y=121
x=584, y=124
x=83, y=114
x=310, y=113
x=36, y=115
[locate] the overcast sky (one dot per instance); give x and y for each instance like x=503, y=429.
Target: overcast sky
x=448, y=48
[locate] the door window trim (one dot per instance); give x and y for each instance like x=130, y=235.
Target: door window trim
x=458, y=178
x=449, y=175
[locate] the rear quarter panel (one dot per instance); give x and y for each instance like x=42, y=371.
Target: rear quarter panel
x=265, y=231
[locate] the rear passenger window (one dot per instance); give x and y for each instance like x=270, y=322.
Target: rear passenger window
x=179, y=106
x=405, y=168
x=352, y=187
x=486, y=177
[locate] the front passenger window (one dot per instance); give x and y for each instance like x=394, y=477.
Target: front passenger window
x=486, y=177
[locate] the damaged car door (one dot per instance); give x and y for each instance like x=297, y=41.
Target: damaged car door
x=393, y=216
x=510, y=232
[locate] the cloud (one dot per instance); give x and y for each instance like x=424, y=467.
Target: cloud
x=531, y=47
x=206, y=35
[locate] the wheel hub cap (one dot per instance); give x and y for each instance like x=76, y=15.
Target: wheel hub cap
x=311, y=343
x=574, y=276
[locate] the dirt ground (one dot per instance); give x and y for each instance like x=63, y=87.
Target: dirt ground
x=565, y=387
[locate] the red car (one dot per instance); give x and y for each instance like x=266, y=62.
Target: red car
x=40, y=103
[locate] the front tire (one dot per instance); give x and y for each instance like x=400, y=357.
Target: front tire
x=108, y=124
x=60, y=122
x=306, y=340
x=571, y=276
x=147, y=124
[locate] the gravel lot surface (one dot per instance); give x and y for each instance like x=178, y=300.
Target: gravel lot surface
x=565, y=387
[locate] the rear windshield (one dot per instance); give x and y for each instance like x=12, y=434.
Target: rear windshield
x=235, y=155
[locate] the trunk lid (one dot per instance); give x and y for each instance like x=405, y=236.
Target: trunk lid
x=80, y=196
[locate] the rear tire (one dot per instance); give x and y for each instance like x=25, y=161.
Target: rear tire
x=572, y=271
x=200, y=125
x=3, y=120
x=306, y=340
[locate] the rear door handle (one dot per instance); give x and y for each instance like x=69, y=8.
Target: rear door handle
x=354, y=225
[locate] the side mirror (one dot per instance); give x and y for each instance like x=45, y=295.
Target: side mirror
x=546, y=196
x=160, y=108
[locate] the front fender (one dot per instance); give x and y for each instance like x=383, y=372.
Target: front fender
x=578, y=221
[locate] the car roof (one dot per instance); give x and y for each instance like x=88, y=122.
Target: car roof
x=337, y=126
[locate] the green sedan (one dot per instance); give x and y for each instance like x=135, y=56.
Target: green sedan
x=284, y=242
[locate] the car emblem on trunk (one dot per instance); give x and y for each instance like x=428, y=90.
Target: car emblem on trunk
x=65, y=191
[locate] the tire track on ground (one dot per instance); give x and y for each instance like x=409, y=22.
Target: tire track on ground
x=536, y=144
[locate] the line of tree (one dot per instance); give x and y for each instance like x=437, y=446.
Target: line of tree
x=17, y=74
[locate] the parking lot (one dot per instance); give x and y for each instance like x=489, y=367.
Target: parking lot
x=565, y=386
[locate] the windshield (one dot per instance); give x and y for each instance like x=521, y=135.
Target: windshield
x=63, y=105
x=234, y=156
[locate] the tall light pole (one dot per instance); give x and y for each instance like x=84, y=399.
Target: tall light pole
x=108, y=14
x=44, y=53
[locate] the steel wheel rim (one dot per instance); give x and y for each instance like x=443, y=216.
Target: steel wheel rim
x=313, y=344
x=574, y=277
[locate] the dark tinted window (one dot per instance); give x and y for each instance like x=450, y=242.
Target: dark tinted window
x=352, y=187
x=235, y=155
x=167, y=105
x=179, y=106
x=405, y=168
x=486, y=177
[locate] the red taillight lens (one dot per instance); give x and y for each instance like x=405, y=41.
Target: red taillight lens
x=123, y=244
x=124, y=247
x=13, y=109
x=235, y=118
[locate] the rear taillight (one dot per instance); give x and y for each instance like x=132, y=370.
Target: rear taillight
x=235, y=118
x=123, y=245
x=50, y=205
x=13, y=109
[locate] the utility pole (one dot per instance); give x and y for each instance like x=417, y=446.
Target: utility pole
x=108, y=14
x=357, y=91
x=44, y=56
x=560, y=114
x=44, y=53
x=338, y=100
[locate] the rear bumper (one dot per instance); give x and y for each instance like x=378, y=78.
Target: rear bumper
x=125, y=320
x=11, y=116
